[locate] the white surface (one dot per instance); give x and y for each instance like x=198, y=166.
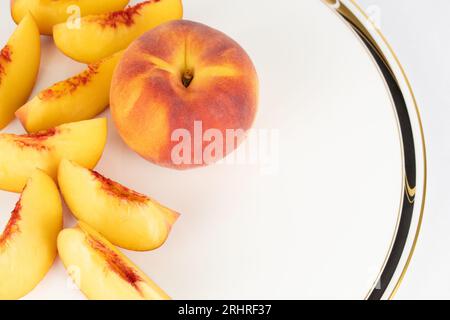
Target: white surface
x=321, y=226
x=419, y=32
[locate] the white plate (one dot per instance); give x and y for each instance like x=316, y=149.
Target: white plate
x=322, y=213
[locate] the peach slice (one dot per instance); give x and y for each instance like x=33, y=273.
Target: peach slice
x=80, y=141
x=19, y=67
x=100, y=270
x=28, y=243
x=50, y=12
x=126, y=218
x=79, y=98
x=102, y=35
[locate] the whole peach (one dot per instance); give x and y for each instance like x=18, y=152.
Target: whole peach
x=180, y=90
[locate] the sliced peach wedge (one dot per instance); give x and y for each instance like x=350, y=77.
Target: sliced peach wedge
x=19, y=67
x=50, y=12
x=20, y=154
x=100, y=36
x=28, y=243
x=126, y=218
x=79, y=98
x=100, y=270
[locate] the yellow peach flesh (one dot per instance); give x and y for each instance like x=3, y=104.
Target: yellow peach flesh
x=28, y=243
x=100, y=36
x=78, y=98
x=19, y=67
x=100, y=270
x=50, y=12
x=82, y=142
x=126, y=218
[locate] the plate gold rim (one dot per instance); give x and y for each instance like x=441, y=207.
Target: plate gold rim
x=343, y=10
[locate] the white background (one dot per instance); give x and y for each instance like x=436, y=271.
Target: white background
x=419, y=32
